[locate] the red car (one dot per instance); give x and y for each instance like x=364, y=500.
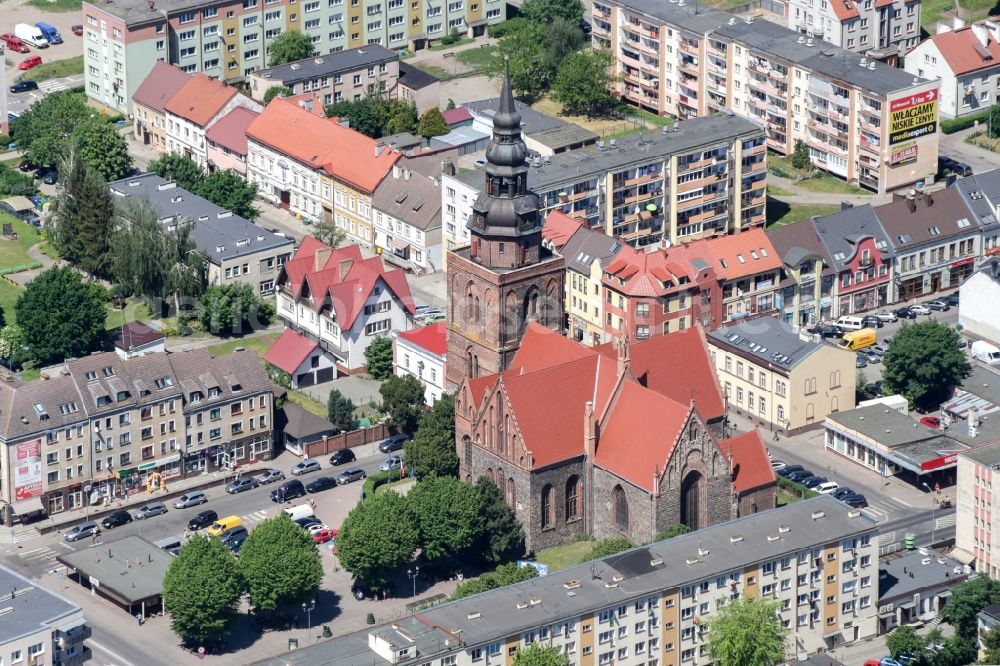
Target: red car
x=931, y=422
x=29, y=62
x=14, y=43
x=77, y=30
x=322, y=536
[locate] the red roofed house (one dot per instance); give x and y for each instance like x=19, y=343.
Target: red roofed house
x=617, y=440
x=150, y=118
x=337, y=299
x=301, y=358
x=194, y=108
x=966, y=60
x=227, y=141
x=422, y=352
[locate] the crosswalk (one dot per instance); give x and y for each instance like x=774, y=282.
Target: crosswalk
x=885, y=507
x=43, y=555
x=255, y=517
x=944, y=521
x=64, y=83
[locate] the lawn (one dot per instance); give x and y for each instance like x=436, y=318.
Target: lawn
x=58, y=6
x=477, y=58
x=133, y=311
x=972, y=10
x=437, y=72
x=813, y=181
x=983, y=141
x=402, y=486
x=258, y=343
x=777, y=191
x=565, y=556
x=446, y=47
x=55, y=69
x=306, y=403
x=608, y=128
x=14, y=252
x=780, y=213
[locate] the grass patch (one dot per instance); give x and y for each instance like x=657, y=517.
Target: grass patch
x=9, y=294
x=983, y=141
x=30, y=374
x=55, y=69
x=780, y=213
x=49, y=251
x=567, y=555
x=435, y=71
x=813, y=181
x=306, y=403
x=448, y=47
x=58, y=6
x=258, y=343
x=477, y=58
x=133, y=311
x=608, y=128
x=778, y=192
x=395, y=486
x=14, y=252
x=972, y=10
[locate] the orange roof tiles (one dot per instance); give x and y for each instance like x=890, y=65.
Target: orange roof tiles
x=644, y=273
x=290, y=351
x=200, y=99
x=321, y=143
x=433, y=338
x=734, y=256
x=959, y=48
x=748, y=457
x=542, y=347
x=559, y=227
x=845, y=9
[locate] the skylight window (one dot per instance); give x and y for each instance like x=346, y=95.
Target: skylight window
x=934, y=231
x=741, y=259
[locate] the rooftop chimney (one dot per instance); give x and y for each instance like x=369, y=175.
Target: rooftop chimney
x=379, y=147
x=321, y=257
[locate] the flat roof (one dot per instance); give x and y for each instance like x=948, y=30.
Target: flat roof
x=414, y=78
x=768, y=339
x=26, y=607
x=531, y=120
x=135, y=12
x=901, y=577
x=130, y=569
x=987, y=456
x=569, y=134
x=328, y=64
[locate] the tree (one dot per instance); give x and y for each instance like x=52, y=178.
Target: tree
x=11, y=341
x=403, y=399
x=747, y=632
x=377, y=538
x=505, y=574
x=608, y=547
x=340, y=411
x=182, y=170
x=800, y=156
x=447, y=515
x=61, y=315
x=905, y=640
x=583, y=84
x=958, y=650
x=538, y=655
x=328, y=233
x=43, y=131
x=231, y=191
x=14, y=183
x=379, y=357
x=201, y=591
x=402, y=117
x=670, y=531
x=184, y=268
x=502, y=537
x=562, y=38
x=137, y=250
x=522, y=50
x=432, y=449
x=102, y=147
x=367, y=115
x=280, y=564
x=233, y=307
x=993, y=122
x=924, y=363
x=991, y=646
x=450, y=105
x=83, y=220
x=967, y=600
x=290, y=46
x=544, y=11
x=274, y=91
x=432, y=123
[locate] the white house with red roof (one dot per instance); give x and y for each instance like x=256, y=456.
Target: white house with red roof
x=340, y=301
x=422, y=352
x=302, y=358
x=967, y=60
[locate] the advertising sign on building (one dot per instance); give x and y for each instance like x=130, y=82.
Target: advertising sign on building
x=912, y=117
x=903, y=154
x=28, y=470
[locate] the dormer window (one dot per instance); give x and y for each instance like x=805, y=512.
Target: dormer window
x=122, y=395
x=164, y=382
x=91, y=375
x=196, y=396
x=213, y=393
x=103, y=400
x=40, y=411
x=109, y=372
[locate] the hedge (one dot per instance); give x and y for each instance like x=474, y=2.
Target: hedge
x=965, y=122
x=796, y=488
x=380, y=479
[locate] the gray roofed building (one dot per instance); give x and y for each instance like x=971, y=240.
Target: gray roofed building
x=332, y=76
x=410, y=197
x=981, y=194
x=927, y=218
x=414, y=77
x=587, y=245
x=768, y=340
x=327, y=64
x=30, y=614
x=841, y=233
x=129, y=572
x=238, y=373
x=914, y=585
x=796, y=242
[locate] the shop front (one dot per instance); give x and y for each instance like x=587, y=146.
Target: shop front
x=960, y=270
x=229, y=455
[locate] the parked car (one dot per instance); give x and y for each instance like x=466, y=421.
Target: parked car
x=931, y=422
x=232, y=533
x=14, y=43
x=24, y=86
x=905, y=313
x=843, y=491
x=830, y=331
x=855, y=501
x=480, y=163
x=938, y=305
x=875, y=388
x=117, y=519
x=433, y=318
x=946, y=163
x=150, y=510
x=270, y=476
x=315, y=527
x=827, y=487
x=241, y=484
x=920, y=309
x=422, y=310
x=951, y=299
x=872, y=321
x=392, y=462
x=202, y=520
x=51, y=177
x=306, y=466
x=962, y=169
x=322, y=536
x=777, y=464
x=235, y=542
x=307, y=522
x=77, y=30
x=393, y=443
x=350, y=476
x=813, y=482
x=887, y=316
x=29, y=62
x=878, y=349
x=788, y=470
x=342, y=457
x=799, y=475
x=83, y=531
x=288, y=490
x=872, y=357
x=190, y=499
x=26, y=166
x=320, y=484
x=861, y=360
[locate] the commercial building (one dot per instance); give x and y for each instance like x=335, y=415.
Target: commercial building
x=38, y=626
x=698, y=178
x=421, y=353
x=777, y=379
x=407, y=219
x=235, y=249
x=159, y=86
x=817, y=558
x=229, y=39
x=861, y=254
x=862, y=120
x=200, y=103
x=883, y=29
x=914, y=586
x=346, y=75
x=966, y=60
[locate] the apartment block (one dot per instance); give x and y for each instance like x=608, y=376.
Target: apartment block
x=345, y=75
x=110, y=422
x=882, y=29
x=974, y=516
x=816, y=558
x=40, y=627
x=698, y=178
x=862, y=120
x=229, y=39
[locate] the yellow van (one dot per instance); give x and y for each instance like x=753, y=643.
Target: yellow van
x=856, y=340
x=223, y=525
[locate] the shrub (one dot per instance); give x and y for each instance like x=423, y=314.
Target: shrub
x=380, y=479
x=965, y=122
x=5, y=140
x=796, y=488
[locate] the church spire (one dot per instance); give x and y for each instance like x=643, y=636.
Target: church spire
x=507, y=119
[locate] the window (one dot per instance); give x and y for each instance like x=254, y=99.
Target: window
x=548, y=507
x=619, y=509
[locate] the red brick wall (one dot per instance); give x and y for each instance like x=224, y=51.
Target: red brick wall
x=347, y=440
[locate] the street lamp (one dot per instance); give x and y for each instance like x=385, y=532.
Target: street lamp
x=308, y=608
x=933, y=512
x=87, y=487
x=412, y=574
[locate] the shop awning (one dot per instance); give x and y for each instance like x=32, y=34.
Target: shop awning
x=962, y=555
x=399, y=244
x=27, y=506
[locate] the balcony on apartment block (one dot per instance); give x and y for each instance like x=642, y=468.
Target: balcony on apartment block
x=689, y=47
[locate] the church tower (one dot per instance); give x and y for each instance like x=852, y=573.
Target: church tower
x=504, y=278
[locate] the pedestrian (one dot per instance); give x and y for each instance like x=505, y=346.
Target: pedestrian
x=776, y=435
x=185, y=534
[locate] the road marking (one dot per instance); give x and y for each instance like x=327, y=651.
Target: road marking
x=946, y=521
x=29, y=553
x=105, y=650
x=886, y=539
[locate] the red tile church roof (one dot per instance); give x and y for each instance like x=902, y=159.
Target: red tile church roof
x=748, y=457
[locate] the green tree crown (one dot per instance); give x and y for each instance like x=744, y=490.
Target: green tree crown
x=201, y=591
x=281, y=565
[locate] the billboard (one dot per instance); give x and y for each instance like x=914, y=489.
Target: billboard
x=28, y=470
x=903, y=154
x=912, y=117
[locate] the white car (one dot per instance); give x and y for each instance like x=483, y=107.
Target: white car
x=777, y=464
x=887, y=316
x=316, y=527
x=827, y=487
x=920, y=309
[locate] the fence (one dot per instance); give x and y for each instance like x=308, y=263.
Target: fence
x=771, y=6
x=347, y=440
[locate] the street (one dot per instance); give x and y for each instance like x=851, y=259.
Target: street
x=18, y=103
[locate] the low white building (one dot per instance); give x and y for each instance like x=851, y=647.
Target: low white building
x=341, y=302
x=882, y=28
x=457, y=198
x=422, y=353
x=408, y=219
x=978, y=313
x=302, y=359
x=38, y=626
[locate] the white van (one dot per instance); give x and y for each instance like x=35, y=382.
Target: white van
x=30, y=34
x=300, y=511
x=850, y=323
x=985, y=352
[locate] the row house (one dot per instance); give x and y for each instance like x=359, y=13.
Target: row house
x=227, y=141
x=407, y=219
x=808, y=278
x=862, y=120
x=881, y=29
x=693, y=179
x=112, y=423
x=148, y=101
x=336, y=303
x=587, y=253
x=316, y=168
x=861, y=253
x=194, y=109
